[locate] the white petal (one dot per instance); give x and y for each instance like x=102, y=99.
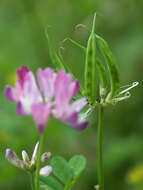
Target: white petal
x=25, y=157
x=79, y=104
x=35, y=154
x=46, y=171
x=13, y=159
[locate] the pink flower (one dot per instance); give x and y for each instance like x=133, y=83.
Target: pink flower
x=52, y=97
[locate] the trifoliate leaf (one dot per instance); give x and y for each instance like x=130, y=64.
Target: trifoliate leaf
x=61, y=169
x=51, y=183
x=77, y=164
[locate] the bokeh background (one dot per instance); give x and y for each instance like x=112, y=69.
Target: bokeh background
x=23, y=42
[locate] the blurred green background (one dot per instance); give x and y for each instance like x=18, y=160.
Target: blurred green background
x=23, y=42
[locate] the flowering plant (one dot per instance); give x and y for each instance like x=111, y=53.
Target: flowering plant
x=56, y=93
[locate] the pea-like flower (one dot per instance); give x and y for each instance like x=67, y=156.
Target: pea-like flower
x=53, y=96
x=26, y=163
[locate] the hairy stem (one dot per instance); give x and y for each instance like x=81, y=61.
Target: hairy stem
x=39, y=162
x=100, y=160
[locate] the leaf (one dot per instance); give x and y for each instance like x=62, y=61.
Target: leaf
x=77, y=164
x=44, y=187
x=112, y=67
x=50, y=182
x=61, y=169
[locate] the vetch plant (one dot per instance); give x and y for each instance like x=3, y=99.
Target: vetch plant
x=52, y=97
x=57, y=94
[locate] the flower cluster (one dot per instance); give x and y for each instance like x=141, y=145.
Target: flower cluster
x=53, y=96
x=26, y=163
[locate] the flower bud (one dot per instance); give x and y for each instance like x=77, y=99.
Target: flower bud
x=97, y=187
x=45, y=156
x=13, y=159
x=35, y=154
x=25, y=158
x=46, y=171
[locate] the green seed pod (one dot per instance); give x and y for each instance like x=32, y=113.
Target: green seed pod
x=112, y=67
x=102, y=78
x=90, y=66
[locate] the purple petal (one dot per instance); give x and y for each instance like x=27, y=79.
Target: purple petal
x=46, y=79
x=29, y=95
x=41, y=128
x=73, y=118
x=63, y=91
x=81, y=126
x=9, y=93
x=76, y=87
x=25, y=93
x=40, y=113
x=21, y=73
x=65, y=88
x=75, y=123
x=19, y=109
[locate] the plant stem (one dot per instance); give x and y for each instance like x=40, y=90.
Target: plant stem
x=68, y=185
x=39, y=162
x=100, y=160
x=32, y=180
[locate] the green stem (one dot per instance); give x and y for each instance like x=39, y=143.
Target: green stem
x=39, y=163
x=100, y=160
x=68, y=185
x=32, y=180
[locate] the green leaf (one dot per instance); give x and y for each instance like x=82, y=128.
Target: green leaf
x=112, y=67
x=51, y=183
x=90, y=66
x=44, y=187
x=61, y=169
x=77, y=164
